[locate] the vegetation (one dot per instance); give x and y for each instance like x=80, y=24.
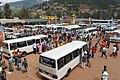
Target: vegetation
x=27, y=3
x=7, y=11
x=97, y=4
x=104, y=9
x=99, y=9
x=24, y=13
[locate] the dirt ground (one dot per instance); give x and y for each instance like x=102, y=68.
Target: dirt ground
x=93, y=73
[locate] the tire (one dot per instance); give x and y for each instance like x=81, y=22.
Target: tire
x=24, y=53
x=68, y=72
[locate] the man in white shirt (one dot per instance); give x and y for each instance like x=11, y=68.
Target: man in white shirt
x=104, y=52
x=0, y=69
x=1, y=49
x=105, y=75
x=35, y=47
x=114, y=51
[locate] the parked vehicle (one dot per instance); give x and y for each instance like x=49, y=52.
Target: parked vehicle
x=116, y=36
x=25, y=44
x=57, y=63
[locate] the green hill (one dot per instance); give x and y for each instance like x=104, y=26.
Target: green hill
x=26, y=3
x=99, y=4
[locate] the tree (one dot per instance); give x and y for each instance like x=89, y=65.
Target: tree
x=118, y=15
x=96, y=14
x=7, y=11
x=85, y=15
x=37, y=15
x=0, y=14
x=24, y=13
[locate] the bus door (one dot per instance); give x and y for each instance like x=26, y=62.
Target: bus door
x=80, y=53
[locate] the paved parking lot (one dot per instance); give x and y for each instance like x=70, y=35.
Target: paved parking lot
x=93, y=73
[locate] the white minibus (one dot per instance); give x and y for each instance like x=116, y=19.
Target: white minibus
x=103, y=22
x=57, y=63
x=115, y=36
x=92, y=30
x=41, y=26
x=25, y=44
x=30, y=27
x=71, y=28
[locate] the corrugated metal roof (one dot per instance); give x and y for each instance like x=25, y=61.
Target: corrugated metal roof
x=4, y=21
x=35, y=20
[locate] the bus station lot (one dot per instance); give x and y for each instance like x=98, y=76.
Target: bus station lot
x=92, y=73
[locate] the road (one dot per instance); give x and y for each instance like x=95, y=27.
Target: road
x=92, y=73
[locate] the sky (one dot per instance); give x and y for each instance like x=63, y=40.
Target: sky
x=7, y=1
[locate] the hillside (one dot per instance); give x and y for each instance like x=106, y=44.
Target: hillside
x=26, y=3
x=98, y=9
x=99, y=4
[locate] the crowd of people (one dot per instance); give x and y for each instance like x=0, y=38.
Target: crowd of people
x=102, y=41
x=15, y=60
x=57, y=39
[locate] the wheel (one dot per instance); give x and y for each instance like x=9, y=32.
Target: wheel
x=68, y=72
x=24, y=53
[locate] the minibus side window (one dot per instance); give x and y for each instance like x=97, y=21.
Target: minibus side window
x=5, y=45
x=44, y=38
x=13, y=46
x=75, y=53
x=21, y=44
x=61, y=63
x=68, y=58
x=30, y=42
x=85, y=47
x=37, y=40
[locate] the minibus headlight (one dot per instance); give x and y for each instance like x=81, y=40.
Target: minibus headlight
x=55, y=76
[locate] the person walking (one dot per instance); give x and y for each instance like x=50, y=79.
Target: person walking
x=101, y=47
x=39, y=48
x=1, y=49
x=4, y=65
x=19, y=63
x=19, y=53
x=84, y=61
x=104, y=52
x=88, y=58
x=104, y=73
x=15, y=57
x=108, y=43
x=35, y=48
x=117, y=46
x=25, y=65
x=0, y=55
x=10, y=62
x=13, y=52
x=98, y=40
x=90, y=43
x=44, y=46
x=114, y=51
x=0, y=72
x=93, y=51
x=0, y=68
x=96, y=46
x=3, y=74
